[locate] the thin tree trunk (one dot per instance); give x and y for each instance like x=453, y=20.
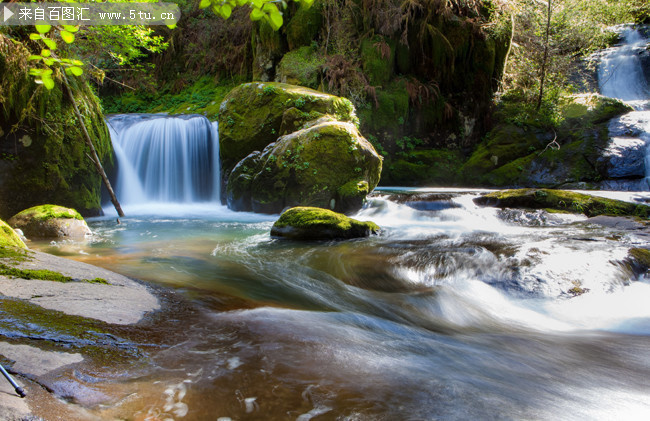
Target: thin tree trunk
x=542, y=76
x=89, y=142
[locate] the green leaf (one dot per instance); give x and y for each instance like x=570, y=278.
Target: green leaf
x=50, y=43
x=67, y=37
x=172, y=26
x=77, y=62
x=226, y=11
x=43, y=29
x=35, y=37
x=77, y=71
x=32, y=57
x=45, y=52
x=48, y=82
x=35, y=72
x=275, y=19
x=204, y=4
x=241, y=2
x=47, y=72
x=73, y=29
x=307, y=3
x=49, y=61
x=257, y=14
x=258, y=4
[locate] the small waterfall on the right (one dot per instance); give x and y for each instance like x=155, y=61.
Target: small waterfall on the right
x=621, y=75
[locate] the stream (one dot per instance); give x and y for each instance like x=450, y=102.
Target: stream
x=454, y=312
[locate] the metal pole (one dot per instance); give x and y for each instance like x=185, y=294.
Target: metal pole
x=18, y=389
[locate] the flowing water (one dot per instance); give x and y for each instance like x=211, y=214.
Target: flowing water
x=620, y=75
x=453, y=312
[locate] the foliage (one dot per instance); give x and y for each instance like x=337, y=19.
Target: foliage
x=260, y=9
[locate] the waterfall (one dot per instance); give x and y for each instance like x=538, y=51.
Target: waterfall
x=165, y=159
x=620, y=75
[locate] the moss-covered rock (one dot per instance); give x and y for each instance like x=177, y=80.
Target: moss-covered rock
x=50, y=221
x=304, y=25
x=640, y=259
x=327, y=164
x=43, y=155
x=591, y=109
x=251, y=116
x=9, y=238
x=377, y=59
x=562, y=200
x=309, y=223
x=301, y=67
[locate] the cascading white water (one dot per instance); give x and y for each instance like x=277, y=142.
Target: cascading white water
x=620, y=75
x=165, y=159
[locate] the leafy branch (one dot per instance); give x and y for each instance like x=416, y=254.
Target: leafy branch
x=268, y=10
x=48, y=57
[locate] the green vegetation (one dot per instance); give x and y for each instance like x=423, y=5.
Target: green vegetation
x=9, y=239
x=641, y=257
x=309, y=223
x=46, y=212
x=41, y=274
x=563, y=201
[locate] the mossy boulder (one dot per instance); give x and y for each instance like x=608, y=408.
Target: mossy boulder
x=327, y=164
x=591, y=109
x=561, y=200
x=301, y=67
x=378, y=59
x=43, y=156
x=9, y=238
x=50, y=221
x=309, y=223
x=252, y=114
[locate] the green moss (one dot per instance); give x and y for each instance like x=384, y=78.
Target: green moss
x=430, y=167
x=301, y=67
x=41, y=274
x=304, y=26
x=392, y=106
x=251, y=116
x=55, y=166
x=641, y=257
x=377, y=59
x=511, y=173
x=47, y=212
x=202, y=97
x=310, y=223
x=9, y=240
x=563, y=201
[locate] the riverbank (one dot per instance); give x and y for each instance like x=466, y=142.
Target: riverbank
x=54, y=325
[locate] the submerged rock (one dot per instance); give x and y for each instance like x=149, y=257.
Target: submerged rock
x=50, y=221
x=328, y=165
x=308, y=223
x=561, y=200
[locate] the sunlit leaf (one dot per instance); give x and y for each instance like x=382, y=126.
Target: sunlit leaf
x=48, y=82
x=45, y=52
x=257, y=14
x=73, y=29
x=35, y=72
x=204, y=4
x=77, y=71
x=43, y=29
x=77, y=62
x=50, y=43
x=226, y=11
x=35, y=37
x=258, y=4
x=275, y=19
x=49, y=61
x=67, y=37
x=33, y=57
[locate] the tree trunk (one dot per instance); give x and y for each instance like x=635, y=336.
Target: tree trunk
x=89, y=142
x=542, y=75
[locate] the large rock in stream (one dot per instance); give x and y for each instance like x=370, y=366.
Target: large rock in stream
x=307, y=223
x=283, y=146
x=50, y=221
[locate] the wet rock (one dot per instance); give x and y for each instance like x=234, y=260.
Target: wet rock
x=307, y=223
x=561, y=200
x=625, y=158
x=50, y=221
